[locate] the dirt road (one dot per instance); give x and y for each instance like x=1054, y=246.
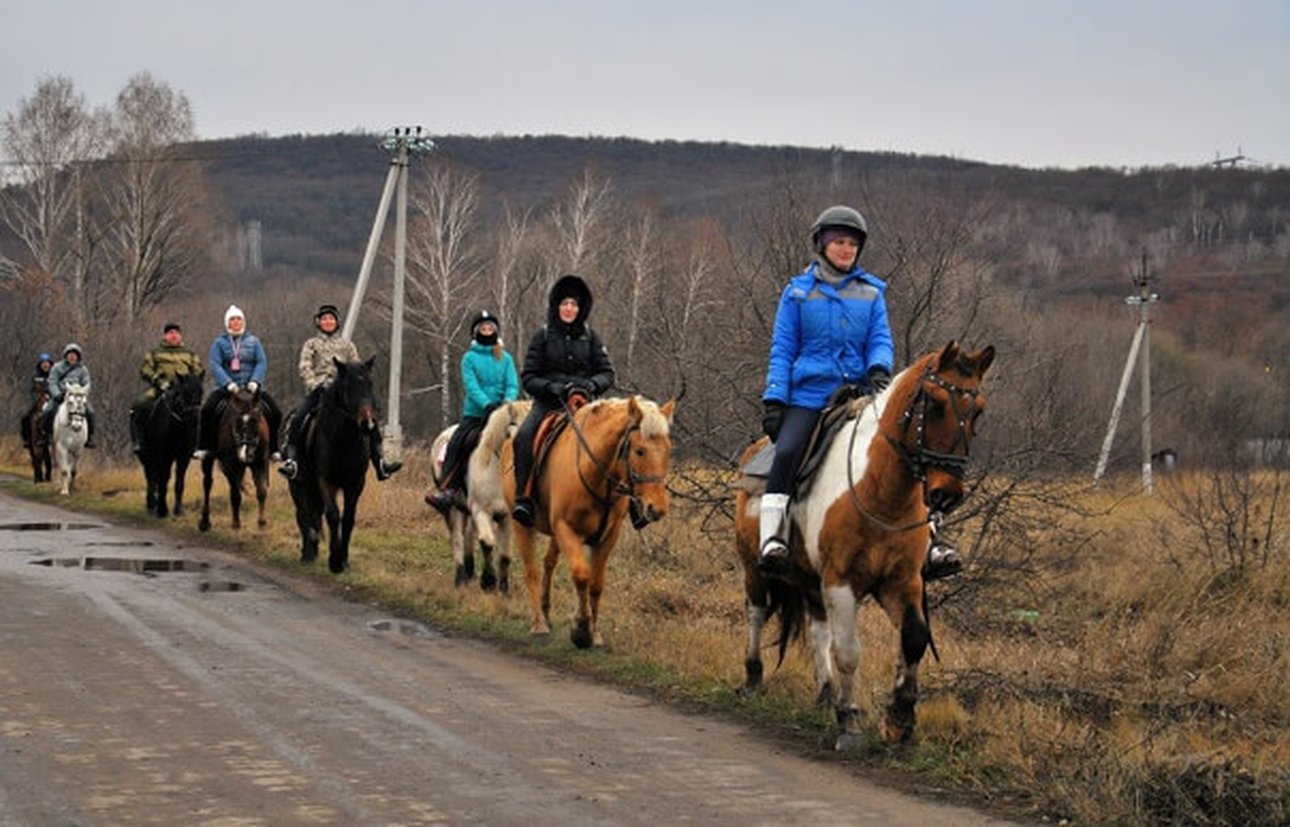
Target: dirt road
x=143, y=682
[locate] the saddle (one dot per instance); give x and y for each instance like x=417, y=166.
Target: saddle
x=548, y=430
x=841, y=409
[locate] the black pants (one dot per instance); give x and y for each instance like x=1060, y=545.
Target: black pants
x=523, y=444
x=794, y=432
x=460, y=447
x=214, y=406
x=297, y=417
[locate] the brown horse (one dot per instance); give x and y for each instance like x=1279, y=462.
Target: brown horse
x=611, y=459
x=242, y=442
x=860, y=528
x=42, y=459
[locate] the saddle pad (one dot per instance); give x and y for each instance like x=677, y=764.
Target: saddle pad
x=759, y=465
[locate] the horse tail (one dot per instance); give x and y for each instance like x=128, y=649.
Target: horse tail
x=790, y=604
x=499, y=423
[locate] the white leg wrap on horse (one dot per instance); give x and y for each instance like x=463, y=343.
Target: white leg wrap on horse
x=774, y=509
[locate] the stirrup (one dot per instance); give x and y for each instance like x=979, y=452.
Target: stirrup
x=289, y=469
x=773, y=560
x=384, y=470
x=523, y=512
x=201, y=453
x=942, y=561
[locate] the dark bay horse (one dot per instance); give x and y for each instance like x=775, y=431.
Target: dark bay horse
x=334, y=462
x=860, y=528
x=242, y=442
x=169, y=435
x=42, y=458
x=611, y=459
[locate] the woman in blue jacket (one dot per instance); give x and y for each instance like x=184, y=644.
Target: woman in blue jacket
x=238, y=362
x=831, y=330
x=489, y=379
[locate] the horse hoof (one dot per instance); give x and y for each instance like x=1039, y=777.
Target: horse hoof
x=846, y=743
x=488, y=581
x=504, y=587
x=204, y=525
x=337, y=566
x=580, y=635
x=461, y=577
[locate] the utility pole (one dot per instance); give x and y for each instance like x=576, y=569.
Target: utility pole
x=404, y=143
x=1141, y=339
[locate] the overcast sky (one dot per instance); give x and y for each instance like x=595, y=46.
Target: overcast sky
x=1036, y=83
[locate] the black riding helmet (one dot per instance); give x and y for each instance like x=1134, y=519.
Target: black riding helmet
x=839, y=217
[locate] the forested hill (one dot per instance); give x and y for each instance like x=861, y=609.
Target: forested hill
x=316, y=196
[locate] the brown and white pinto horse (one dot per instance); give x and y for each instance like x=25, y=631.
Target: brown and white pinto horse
x=611, y=459
x=861, y=528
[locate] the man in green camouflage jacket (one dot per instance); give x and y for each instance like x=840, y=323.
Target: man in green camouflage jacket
x=164, y=365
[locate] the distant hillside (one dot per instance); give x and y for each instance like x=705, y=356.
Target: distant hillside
x=316, y=196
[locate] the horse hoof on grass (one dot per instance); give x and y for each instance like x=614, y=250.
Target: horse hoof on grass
x=462, y=577
x=488, y=580
x=580, y=635
x=894, y=733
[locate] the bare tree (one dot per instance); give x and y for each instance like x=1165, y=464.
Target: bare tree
x=443, y=270
x=578, y=217
x=152, y=199
x=49, y=136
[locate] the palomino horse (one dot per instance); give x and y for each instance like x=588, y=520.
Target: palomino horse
x=334, y=462
x=71, y=432
x=482, y=514
x=42, y=459
x=242, y=442
x=169, y=435
x=612, y=457
x=861, y=528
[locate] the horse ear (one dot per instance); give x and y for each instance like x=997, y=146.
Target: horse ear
x=984, y=358
x=667, y=409
x=634, y=412
x=948, y=356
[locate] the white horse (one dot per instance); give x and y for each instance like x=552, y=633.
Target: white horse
x=481, y=514
x=70, y=432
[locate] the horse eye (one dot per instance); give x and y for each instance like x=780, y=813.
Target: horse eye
x=640, y=452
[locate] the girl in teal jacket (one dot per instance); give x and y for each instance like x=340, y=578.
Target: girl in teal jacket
x=489, y=379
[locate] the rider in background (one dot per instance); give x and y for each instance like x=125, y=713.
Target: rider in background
x=831, y=330
x=71, y=369
x=488, y=378
x=162, y=367
x=565, y=360
x=237, y=361
x=318, y=371
x=39, y=386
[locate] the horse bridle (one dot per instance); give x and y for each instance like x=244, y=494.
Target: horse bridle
x=615, y=486
x=921, y=457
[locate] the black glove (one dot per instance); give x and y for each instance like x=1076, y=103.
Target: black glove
x=576, y=388
x=488, y=410
x=877, y=379
x=772, y=417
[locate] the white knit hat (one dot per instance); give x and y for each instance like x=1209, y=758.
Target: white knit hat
x=233, y=312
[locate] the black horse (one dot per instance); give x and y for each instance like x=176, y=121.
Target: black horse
x=334, y=461
x=242, y=441
x=169, y=434
x=42, y=458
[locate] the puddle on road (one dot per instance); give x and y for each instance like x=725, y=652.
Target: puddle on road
x=136, y=565
x=411, y=628
x=47, y=526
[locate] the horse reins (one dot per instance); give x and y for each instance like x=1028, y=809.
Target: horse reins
x=615, y=486
x=921, y=458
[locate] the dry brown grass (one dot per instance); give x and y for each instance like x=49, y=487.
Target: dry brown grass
x=1131, y=683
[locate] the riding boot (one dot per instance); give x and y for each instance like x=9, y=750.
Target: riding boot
x=89, y=429
x=376, y=453
x=136, y=432
x=773, y=558
x=25, y=430
x=289, y=467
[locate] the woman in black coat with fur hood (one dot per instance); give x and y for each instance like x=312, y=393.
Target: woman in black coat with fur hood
x=565, y=359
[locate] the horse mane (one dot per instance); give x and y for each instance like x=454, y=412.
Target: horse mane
x=653, y=422
x=495, y=429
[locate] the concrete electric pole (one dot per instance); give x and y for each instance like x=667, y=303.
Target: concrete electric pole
x=1141, y=340
x=404, y=143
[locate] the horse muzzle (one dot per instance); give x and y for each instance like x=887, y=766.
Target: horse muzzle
x=643, y=513
x=944, y=499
